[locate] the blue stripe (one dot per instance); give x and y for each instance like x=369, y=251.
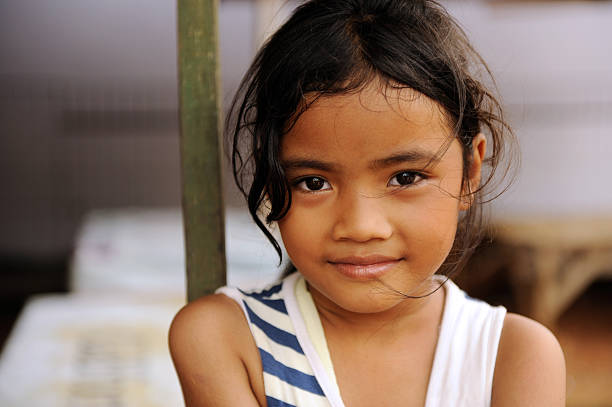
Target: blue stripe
x=277, y=304
x=276, y=334
x=265, y=293
x=289, y=375
x=272, y=402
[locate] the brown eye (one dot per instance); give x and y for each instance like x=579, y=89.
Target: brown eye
x=312, y=184
x=405, y=178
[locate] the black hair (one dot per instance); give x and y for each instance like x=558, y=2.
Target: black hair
x=330, y=47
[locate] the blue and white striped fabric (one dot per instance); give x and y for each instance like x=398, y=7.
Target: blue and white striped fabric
x=295, y=376
x=289, y=370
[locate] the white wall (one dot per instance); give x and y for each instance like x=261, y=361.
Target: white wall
x=553, y=64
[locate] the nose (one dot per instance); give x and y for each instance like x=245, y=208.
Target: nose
x=361, y=218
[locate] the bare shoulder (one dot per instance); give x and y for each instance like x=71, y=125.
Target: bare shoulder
x=530, y=367
x=214, y=354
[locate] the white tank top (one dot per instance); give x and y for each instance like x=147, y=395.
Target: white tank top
x=298, y=370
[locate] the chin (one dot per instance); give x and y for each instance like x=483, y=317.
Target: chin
x=376, y=300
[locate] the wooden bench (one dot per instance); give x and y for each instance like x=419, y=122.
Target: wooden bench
x=550, y=262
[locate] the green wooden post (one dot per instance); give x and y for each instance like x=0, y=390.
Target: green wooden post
x=200, y=123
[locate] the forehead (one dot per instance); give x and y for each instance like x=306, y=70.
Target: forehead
x=370, y=122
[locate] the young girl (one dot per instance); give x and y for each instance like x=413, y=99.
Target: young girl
x=359, y=132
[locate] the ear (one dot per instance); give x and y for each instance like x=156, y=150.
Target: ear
x=479, y=149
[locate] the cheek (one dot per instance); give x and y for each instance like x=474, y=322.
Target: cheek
x=429, y=230
x=300, y=234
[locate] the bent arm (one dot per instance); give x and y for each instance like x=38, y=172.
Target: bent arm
x=530, y=367
x=211, y=347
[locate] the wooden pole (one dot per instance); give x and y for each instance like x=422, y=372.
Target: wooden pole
x=200, y=129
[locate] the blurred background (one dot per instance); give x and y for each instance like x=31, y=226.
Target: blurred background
x=91, y=262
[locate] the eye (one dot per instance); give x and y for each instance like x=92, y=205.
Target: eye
x=312, y=184
x=405, y=178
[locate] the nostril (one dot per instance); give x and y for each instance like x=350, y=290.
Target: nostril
x=362, y=229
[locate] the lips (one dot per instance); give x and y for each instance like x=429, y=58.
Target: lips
x=364, y=267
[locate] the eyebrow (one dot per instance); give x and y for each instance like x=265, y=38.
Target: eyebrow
x=307, y=163
x=406, y=157
x=402, y=157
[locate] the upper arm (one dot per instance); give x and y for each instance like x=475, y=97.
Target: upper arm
x=530, y=367
x=209, y=343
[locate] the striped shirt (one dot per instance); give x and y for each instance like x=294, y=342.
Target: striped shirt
x=296, y=365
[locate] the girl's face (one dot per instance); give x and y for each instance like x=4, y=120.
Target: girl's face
x=376, y=188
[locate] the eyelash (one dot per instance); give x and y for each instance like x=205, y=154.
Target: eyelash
x=300, y=183
x=415, y=177
x=303, y=181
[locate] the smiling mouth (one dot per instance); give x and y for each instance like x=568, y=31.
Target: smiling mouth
x=364, y=268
